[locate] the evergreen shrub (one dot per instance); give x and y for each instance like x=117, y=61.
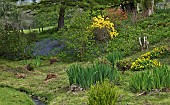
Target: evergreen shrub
x=103, y=94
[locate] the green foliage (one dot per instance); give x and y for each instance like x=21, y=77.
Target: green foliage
x=46, y=17
x=156, y=28
x=9, y=16
x=103, y=94
x=103, y=28
x=31, y=37
x=85, y=77
x=156, y=53
x=12, y=45
x=114, y=57
x=124, y=64
x=144, y=63
x=77, y=38
x=37, y=61
x=12, y=42
x=157, y=78
x=148, y=60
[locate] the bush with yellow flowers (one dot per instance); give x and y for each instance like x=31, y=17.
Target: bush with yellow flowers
x=156, y=52
x=148, y=60
x=144, y=63
x=103, y=29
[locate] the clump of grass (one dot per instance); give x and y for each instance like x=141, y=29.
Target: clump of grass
x=85, y=77
x=103, y=94
x=35, y=62
x=158, y=78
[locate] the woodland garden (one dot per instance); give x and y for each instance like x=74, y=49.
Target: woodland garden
x=84, y=52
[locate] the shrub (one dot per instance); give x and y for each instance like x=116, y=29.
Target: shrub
x=103, y=28
x=116, y=15
x=103, y=94
x=32, y=37
x=148, y=60
x=157, y=78
x=13, y=45
x=78, y=39
x=85, y=77
x=156, y=52
x=124, y=64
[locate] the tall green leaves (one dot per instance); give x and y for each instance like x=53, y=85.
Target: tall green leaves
x=114, y=57
x=158, y=78
x=85, y=77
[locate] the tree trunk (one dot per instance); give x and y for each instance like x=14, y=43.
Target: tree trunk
x=61, y=17
x=151, y=8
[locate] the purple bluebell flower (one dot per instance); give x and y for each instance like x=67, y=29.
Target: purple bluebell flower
x=46, y=47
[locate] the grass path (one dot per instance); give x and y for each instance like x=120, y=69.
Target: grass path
x=26, y=31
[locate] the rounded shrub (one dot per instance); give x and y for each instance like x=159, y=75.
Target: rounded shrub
x=13, y=45
x=103, y=94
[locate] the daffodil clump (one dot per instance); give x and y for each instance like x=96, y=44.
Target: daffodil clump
x=145, y=63
x=102, y=23
x=149, y=59
x=156, y=52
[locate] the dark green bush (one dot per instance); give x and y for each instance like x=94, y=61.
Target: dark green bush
x=13, y=45
x=103, y=94
x=77, y=38
x=32, y=37
x=124, y=64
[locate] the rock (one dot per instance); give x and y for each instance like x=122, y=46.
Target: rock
x=75, y=88
x=53, y=60
x=29, y=67
x=50, y=76
x=20, y=75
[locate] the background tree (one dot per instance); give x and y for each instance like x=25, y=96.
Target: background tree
x=63, y=4
x=12, y=42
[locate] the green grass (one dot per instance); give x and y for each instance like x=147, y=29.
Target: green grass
x=37, y=29
x=10, y=96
